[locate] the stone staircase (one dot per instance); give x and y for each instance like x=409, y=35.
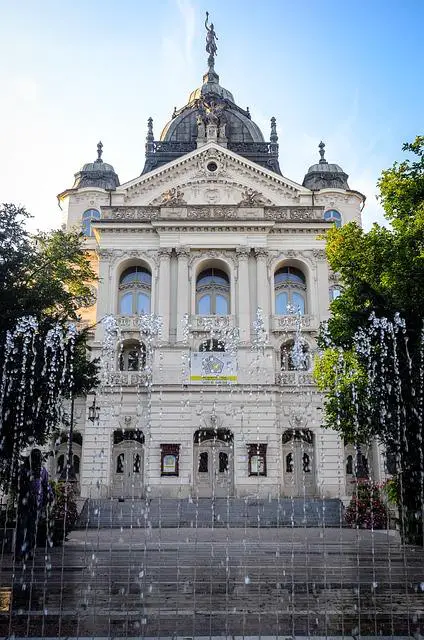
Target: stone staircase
x=210, y=513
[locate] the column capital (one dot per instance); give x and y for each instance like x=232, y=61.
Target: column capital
x=242, y=253
x=182, y=251
x=165, y=252
x=260, y=252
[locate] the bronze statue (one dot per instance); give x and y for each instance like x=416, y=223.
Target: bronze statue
x=211, y=38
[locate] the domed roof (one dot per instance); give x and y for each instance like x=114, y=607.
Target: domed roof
x=211, y=114
x=324, y=175
x=97, y=174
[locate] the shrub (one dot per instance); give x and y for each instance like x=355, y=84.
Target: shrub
x=366, y=509
x=63, y=513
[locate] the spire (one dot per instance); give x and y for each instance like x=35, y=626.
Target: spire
x=322, y=152
x=211, y=49
x=150, y=137
x=273, y=137
x=99, y=151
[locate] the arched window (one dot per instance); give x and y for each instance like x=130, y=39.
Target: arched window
x=290, y=291
x=212, y=345
x=333, y=216
x=135, y=287
x=295, y=356
x=132, y=357
x=212, y=293
x=87, y=217
x=334, y=292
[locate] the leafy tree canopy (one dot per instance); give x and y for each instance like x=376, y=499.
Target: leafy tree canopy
x=45, y=276
x=370, y=369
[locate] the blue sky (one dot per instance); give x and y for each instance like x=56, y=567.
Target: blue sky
x=349, y=73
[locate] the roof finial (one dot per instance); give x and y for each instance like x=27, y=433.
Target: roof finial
x=273, y=137
x=99, y=151
x=322, y=152
x=150, y=138
x=211, y=38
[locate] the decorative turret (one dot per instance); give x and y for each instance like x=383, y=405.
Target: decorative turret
x=211, y=114
x=97, y=174
x=324, y=175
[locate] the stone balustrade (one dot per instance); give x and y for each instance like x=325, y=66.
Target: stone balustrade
x=290, y=323
x=128, y=378
x=211, y=323
x=295, y=378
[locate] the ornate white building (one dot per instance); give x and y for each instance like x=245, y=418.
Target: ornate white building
x=221, y=401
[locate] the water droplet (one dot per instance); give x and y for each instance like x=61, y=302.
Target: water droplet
x=246, y=580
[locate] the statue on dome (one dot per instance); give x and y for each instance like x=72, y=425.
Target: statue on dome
x=211, y=38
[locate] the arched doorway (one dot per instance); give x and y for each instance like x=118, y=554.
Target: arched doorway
x=127, y=464
x=62, y=452
x=358, y=465
x=299, y=463
x=213, y=463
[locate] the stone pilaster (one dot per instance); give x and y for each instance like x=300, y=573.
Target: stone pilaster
x=243, y=303
x=183, y=288
x=164, y=290
x=262, y=285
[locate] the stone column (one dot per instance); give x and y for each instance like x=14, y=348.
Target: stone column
x=164, y=290
x=183, y=288
x=243, y=304
x=262, y=285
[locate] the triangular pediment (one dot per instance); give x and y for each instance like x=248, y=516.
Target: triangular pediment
x=212, y=175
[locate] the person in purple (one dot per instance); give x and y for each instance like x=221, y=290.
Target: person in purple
x=34, y=494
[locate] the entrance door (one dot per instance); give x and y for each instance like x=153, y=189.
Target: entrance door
x=213, y=469
x=127, y=470
x=299, y=463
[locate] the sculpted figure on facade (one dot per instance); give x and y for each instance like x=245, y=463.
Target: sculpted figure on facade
x=251, y=198
x=173, y=197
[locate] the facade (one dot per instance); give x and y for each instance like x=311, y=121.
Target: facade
x=220, y=401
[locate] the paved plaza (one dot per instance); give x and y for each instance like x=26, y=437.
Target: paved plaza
x=208, y=582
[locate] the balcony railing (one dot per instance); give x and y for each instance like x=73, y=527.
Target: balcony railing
x=211, y=323
x=295, y=378
x=128, y=379
x=290, y=323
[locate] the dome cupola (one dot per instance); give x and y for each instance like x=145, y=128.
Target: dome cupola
x=211, y=114
x=324, y=175
x=97, y=174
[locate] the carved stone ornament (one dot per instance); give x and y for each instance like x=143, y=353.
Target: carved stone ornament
x=105, y=254
x=211, y=213
x=319, y=254
x=251, y=198
x=164, y=252
x=182, y=251
x=297, y=214
x=131, y=213
x=172, y=198
x=213, y=421
x=243, y=252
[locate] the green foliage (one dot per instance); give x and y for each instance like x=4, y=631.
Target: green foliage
x=376, y=393
x=46, y=276
x=63, y=514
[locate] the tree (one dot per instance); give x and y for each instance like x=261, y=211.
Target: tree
x=44, y=281
x=371, y=367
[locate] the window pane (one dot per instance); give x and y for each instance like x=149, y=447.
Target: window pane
x=120, y=463
x=223, y=462
x=333, y=216
x=203, y=462
x=204, y=306
x=143, y=303
x=126, y=304
x=281, y=301
x=334, y=293
x=221, y=305
x=298, y=302
x=289, y=274
x=87, y=216
x=136, y=274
